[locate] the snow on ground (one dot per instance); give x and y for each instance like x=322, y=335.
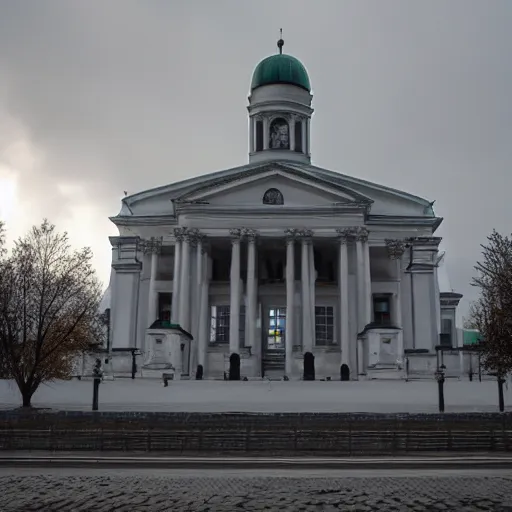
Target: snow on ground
x=263, y=396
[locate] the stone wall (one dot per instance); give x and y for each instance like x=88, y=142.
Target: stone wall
x=323, y=433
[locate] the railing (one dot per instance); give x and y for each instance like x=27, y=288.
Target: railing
x=295, y=440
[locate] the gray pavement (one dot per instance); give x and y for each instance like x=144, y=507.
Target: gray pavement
x=78, y=489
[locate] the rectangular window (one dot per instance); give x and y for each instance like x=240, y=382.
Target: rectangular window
x=324, y=325
x=164, y=306
x=298, y=136
x=446, y=332
x=219, y=325
x=382, y=310
x=259, y=135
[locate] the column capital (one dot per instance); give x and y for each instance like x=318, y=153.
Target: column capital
x=291, y=234
x=151, y=245
x=236, y=234
x=189, y=234
x=395, y=248
x=345, y=235
x=251, y=234
x=195, y=237
x=361, y=234
x=179, y=234
x=305, y=234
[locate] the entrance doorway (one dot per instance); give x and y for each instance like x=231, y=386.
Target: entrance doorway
x=274, y=336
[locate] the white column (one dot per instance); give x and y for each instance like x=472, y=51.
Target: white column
x=184, y=312
x=396, y=250
x=398, y=312
x=291, y=129
x=307, y=341
x=343, y=291
x=312, y=290
x=361, y=308
x=251, y=289
x=196, y=301
x=368, y=284
x=290, y=301
x=251, y=134
x=175, y=306
x=265, y=132
x=234, y=310
x=364, y=285
x=304, y=136
x=152, y=296
x=204, y=314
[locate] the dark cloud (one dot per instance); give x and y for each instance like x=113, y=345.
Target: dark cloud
x=126, y=95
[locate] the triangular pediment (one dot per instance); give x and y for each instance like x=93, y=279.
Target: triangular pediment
x=250, y=186
x=300, y=184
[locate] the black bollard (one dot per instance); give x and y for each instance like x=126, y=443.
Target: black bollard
x=344, y=372
x=501, y=399
x=234, y=367
x=95, y=393
x=309, y=366
x=440, y=389
x=199, y=372
x=134, y=365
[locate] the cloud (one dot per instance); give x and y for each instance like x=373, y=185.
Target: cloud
x=127, y=95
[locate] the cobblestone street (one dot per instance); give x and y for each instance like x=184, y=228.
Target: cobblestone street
x=175, y=494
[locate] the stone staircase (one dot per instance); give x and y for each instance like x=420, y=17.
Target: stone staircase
x=274, y=364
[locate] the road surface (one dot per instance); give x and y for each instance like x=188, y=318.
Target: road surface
x=199, y=490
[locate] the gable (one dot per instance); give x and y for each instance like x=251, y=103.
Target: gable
x=297, y=189
x=294, y=193
x=300, y=184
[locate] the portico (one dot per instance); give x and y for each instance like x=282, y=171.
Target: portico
x=273, y=295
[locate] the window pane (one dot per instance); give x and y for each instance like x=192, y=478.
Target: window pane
x=259, y=135
x=298, y=136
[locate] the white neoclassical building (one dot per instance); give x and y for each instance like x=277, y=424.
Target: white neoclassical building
x=277, y=258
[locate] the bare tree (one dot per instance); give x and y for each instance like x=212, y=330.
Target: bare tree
x=491, y=314
x=49, y=298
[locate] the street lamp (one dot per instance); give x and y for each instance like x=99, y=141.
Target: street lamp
x=440, y=386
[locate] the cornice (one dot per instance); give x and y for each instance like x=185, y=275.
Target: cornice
x=273, y=211
x=450, y=298
x=279, y=105
x=395, y=220
x=144, y=220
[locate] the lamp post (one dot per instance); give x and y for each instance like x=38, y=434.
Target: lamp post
x=440, y=386
x=501, y=399
x=135, y=352
x=97, y=373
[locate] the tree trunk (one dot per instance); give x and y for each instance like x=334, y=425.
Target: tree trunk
x=27, y=397
x=27, y=392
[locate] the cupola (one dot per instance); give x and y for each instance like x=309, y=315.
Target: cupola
x=280, y=109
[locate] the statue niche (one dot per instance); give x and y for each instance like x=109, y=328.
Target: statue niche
x=279, y=134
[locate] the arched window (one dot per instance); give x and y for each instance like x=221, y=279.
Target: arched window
x=279, y=134
x=298, y=136
x=259, y=135
x=273, y=196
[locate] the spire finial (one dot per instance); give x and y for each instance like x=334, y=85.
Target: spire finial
x=280, y=43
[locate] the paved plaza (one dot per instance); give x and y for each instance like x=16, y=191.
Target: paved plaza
x=264, y=396
x=71, y=491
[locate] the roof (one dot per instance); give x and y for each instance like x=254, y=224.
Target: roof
x=180, y=188
x=280, y=69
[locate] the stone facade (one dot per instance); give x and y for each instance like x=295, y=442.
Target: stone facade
x=278, y=258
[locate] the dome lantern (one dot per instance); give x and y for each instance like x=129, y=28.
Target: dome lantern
x=280, y=109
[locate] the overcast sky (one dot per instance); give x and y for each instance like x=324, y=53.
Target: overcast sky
x=100, y=97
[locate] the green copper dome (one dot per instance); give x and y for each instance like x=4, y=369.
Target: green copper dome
x=280, y=69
